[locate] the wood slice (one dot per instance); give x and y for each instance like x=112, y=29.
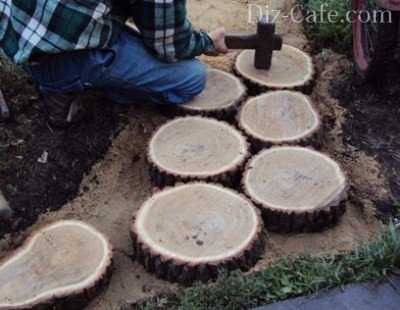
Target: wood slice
x=188, y=232
x=221, y=98
x=61, y=266
x=280, y=117
x=291, y=69
x=298, y=189
x=197, y=148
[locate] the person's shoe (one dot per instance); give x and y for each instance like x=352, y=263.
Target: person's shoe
x=63, y=109
x=6, y=213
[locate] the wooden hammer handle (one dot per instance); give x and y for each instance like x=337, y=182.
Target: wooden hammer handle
x=241, y=41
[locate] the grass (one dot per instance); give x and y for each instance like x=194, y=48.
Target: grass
x=336, y=35
x=287, y=278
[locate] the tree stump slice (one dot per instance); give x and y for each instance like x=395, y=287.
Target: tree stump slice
x=61, y=266
x=221, y=98
x=188, y=232
x=197, y=148
x=296, y=188
x=291, y=68
x=279, y=118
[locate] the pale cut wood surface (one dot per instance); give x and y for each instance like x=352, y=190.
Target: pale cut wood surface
x=291, y=68
x=62, y=260
x=199, y=225
x=296, y=186
x=279, y=117
x=223, y=92
x=197, y=148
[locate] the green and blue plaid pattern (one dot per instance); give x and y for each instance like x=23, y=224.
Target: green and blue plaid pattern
x=165, y=28
x=32, y=27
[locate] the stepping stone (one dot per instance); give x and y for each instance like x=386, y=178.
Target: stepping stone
x=291, y=69
x=64, y=264
x=223, y=94
x=297, y=189
x=196, y=148
x=280, y=117
x=187, y=232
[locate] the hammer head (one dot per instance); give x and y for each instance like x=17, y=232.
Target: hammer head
x=266, y=43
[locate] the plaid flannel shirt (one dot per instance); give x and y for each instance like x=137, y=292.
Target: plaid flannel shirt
x=35, y=27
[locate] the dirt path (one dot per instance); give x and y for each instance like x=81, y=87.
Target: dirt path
x=119, y=184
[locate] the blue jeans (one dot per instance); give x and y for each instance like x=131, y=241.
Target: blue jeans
x=126, y=71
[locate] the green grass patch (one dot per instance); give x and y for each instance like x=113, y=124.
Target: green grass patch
x=289, y=277
x=336, y=35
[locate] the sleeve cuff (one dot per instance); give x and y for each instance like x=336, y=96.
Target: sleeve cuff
x=209, y=44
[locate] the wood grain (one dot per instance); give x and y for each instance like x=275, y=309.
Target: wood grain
x=221, y=98
x=61, y=266
x=196, y=148
x=296, y=188
x=280, y=118
x=188, y=232
x=291, y=69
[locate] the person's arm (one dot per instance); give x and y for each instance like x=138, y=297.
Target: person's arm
x=166, y=30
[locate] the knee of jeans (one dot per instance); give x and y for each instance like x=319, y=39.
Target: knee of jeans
x=199, y=76
x=195, y=82
x=191, y=81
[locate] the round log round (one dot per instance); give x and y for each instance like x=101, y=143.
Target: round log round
x=280, y=117
x=187, y=232
x=291, y=68
x=62, y=265
x=221, y=98
x=196, y=148
x=296, y=188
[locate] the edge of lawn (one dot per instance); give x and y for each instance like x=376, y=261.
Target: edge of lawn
x=289, y=277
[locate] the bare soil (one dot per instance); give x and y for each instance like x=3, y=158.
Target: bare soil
x=41, y=167
x=372, y=125
x=117, y=185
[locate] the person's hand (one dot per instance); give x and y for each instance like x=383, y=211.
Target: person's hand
x=218, y=38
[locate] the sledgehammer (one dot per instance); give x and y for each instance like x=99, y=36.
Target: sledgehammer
x=264, y=42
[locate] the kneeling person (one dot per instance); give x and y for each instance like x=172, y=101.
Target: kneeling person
x=73, y=45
